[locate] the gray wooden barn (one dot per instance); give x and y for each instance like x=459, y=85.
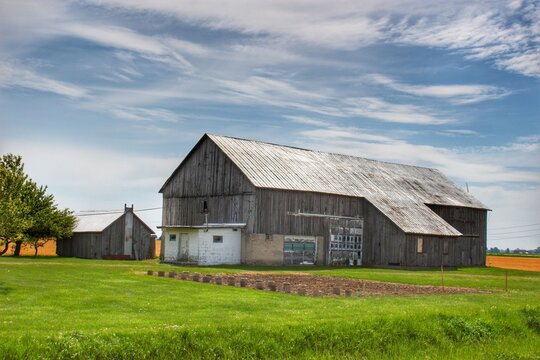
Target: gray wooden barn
x=117, y=236
x=241, y=201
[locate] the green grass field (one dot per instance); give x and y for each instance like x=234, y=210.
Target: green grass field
x=77, y=309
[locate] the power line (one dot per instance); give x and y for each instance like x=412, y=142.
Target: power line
x=107, y=212
x=514, y=232
x=515, y=226
x=148, y=209
x=514, y=237
x=102, y=213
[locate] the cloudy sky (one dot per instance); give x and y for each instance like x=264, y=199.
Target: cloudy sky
x=104, y=98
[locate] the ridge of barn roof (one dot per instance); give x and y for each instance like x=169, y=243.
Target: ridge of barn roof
x=311, y=150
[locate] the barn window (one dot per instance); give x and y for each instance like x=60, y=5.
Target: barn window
x=445, y=247
x=218, y=239
x=299, y=250
x=204, y=207
x=420, y=246
x=172, y=237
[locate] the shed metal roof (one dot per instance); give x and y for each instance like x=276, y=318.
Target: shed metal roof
x=401, y=192
x=95, y=222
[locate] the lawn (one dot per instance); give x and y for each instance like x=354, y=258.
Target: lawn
x=78, y=309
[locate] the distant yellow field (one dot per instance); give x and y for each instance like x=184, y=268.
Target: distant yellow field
x=158, y=248
x=514, y=262
x=48, y=250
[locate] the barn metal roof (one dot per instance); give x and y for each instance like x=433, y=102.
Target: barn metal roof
x=95, y=222
x=401, y=192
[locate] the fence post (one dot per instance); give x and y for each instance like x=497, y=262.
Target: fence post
x=442, y=276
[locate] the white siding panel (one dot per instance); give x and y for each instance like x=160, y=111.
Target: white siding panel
x=227, y=252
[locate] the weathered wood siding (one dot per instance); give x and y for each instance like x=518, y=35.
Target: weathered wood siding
x=206, y=172
x=469, y=249
x=383, y=242
x=113, y=238
x=83, y=245
x=110, y=241
x=273, y=205
x=221, y=209
x=143, y=242
x=208, y=175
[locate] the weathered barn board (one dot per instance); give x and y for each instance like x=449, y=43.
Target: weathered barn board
x=264, y=185
x=274, y=206
x=206, y=171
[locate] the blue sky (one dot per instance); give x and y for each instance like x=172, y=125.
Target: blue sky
x=104, y=98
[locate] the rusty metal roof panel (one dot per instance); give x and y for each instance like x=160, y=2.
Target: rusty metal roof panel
x=399, y=191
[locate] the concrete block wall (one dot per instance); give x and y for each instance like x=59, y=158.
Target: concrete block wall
x=263, y=249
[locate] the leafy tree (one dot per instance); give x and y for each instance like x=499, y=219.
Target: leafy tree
x=27, y=213
x=49, y=223
x=14, y=209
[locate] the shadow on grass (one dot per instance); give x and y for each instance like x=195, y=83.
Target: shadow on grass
x=4, y=290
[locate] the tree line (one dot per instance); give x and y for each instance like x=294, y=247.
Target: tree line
x=28, y=215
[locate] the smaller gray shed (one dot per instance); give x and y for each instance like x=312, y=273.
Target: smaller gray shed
x=117, y=236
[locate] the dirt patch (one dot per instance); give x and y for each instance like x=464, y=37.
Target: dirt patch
x=514, y=262
x=312, y=285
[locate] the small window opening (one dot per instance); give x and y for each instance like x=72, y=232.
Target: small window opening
x=218, y=239
x=420, y=246
x=445, y=247
x=204, y=207
x=172, y=237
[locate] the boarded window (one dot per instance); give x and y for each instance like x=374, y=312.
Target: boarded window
x=172, y=237
x=218, y=239
x=420, y=246
x=445, y=247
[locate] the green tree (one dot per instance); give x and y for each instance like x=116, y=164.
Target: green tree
x=14, y=209
x=27, y=213
x=48, y=222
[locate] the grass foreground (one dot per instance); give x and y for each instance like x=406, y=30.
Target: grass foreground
x=63, y=308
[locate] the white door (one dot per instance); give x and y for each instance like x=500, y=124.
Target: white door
x=183, y=247
x=171, y=247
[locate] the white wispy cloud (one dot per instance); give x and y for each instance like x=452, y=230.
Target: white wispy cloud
x=510, y=39
x=457, y=94
x=306, y=120
x=379, y=109
x=482, y=30
x=160, y=49
x=318, y=22
x=527, y=63
x=459, y=132
x=14, y=75
x=144, y=114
